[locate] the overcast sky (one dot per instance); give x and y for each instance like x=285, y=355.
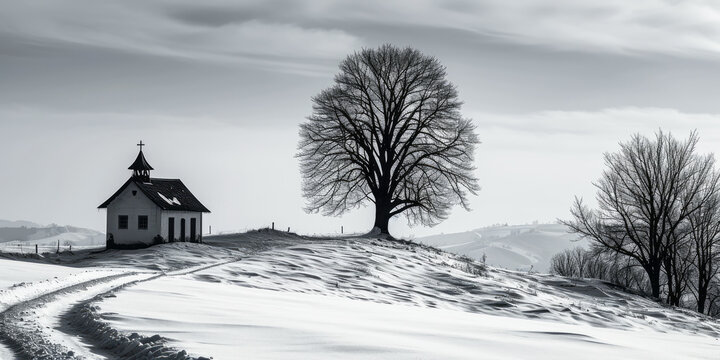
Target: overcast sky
x=217, y=90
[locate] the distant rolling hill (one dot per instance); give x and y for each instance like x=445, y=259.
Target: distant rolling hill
x=16, y=233
x=17, y=223
x=514, y=247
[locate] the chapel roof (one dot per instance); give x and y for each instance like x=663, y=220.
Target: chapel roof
x=168, y=194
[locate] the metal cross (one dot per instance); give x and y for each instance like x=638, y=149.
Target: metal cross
x=141, y=145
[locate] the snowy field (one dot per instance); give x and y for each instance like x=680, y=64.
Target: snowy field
x=358, y=298
x=272, y=295
x=20, y=272
x=242, y=322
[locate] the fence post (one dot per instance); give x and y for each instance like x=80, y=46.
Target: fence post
x=273, y=225
x=36, y=249
x=288, y=229
x=342, y=230
x=58, y=248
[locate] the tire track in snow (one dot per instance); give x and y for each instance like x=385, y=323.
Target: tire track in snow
x=26, y=338
x=28, y=327
x=83, y=320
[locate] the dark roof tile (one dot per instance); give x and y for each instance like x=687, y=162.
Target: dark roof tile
x=168, y=194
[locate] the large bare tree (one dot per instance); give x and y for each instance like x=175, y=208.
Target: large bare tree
x=389, y=132
x=705, y=245
x=645, y=196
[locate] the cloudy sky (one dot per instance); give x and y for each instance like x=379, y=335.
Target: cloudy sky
x=217, y=90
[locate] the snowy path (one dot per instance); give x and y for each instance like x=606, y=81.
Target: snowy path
x=36, y=319
x=23, y=326
x=82, y=319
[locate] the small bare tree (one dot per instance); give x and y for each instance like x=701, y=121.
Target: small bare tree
x=647, y=192
x=599, y=263
x=580, y=263
x=596, y=264
x=565, y=263
x=390, y=132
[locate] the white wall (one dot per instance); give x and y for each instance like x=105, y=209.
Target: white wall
x=187, y=215
x=133, y=205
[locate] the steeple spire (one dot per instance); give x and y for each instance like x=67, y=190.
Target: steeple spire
x=141, y=168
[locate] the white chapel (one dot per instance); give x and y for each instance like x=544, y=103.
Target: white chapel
x=147, y=211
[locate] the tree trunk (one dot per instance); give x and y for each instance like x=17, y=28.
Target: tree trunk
x=382, y=216
x=702, y=289
x=654, y=277
x=669, y=275
x=702, y=295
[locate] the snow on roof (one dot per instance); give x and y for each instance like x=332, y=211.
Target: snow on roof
x=171, y=202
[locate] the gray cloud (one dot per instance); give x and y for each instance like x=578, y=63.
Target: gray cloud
x=231, y=13
x=688, y=29
x=211, y=82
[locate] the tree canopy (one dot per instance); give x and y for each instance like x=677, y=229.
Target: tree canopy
x=388, y=132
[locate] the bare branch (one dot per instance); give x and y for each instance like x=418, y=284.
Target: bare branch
x=389, y=132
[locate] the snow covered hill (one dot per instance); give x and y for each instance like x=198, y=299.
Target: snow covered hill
x=22, y=236
x=515, y=247
x=273, y=295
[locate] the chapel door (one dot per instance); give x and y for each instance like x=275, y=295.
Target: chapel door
x=171, y=229
x=193, y=229
x=182, y=229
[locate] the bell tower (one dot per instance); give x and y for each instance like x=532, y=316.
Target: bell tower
x=141, y=168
